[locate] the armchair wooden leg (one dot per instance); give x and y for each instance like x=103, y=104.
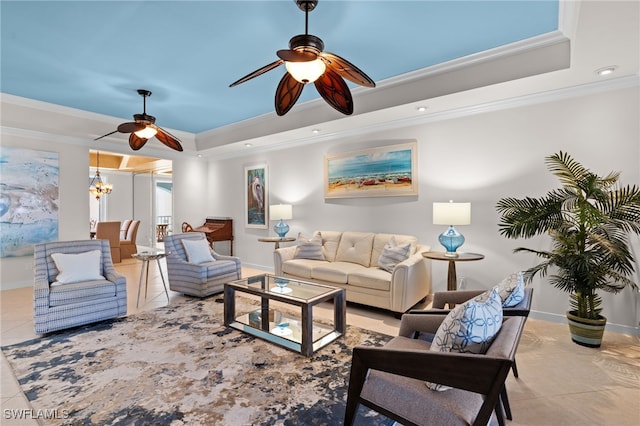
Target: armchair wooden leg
x=514, y=367
x=504, y=398
x=356, y=382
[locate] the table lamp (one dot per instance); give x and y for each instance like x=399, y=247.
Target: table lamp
x=451, y=214
x=282, y=212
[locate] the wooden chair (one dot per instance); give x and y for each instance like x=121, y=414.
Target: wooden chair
x=128, y=244
x=110, y=231
x=391, y=379
x=186, y=227
x=444, y=301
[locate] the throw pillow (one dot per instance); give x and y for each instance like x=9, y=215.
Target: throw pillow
x=309, y=248
x=197, y=251
x=469, y=327
x=511, y=290
x=73, y=268
x=392, y=254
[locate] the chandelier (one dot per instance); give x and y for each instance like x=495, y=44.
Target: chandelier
x=98, y=188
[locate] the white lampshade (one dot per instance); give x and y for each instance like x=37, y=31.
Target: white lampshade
x=146, y=133
x=306, y=72
x=281, y=211
x=451, y=213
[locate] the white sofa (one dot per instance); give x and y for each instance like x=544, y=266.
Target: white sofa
x=351, y=262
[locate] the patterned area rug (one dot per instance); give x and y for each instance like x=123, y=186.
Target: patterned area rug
x=180, y=365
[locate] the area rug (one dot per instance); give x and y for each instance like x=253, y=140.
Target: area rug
x=179, y=365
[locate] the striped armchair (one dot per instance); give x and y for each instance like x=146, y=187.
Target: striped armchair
x=69, y=305
x=198, y=279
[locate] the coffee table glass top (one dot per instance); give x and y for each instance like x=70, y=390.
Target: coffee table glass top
x=285, y=287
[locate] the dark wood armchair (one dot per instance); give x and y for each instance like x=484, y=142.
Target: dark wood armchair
x=391, y=379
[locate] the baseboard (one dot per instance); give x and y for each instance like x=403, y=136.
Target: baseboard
x=561, y=319
x=15, y=285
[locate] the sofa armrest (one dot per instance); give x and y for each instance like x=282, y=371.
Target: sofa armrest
x=280, y=256
x=410, y=282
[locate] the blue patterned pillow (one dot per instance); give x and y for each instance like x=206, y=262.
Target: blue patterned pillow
x=392, y=254
x=469, y=327
x=512, y=289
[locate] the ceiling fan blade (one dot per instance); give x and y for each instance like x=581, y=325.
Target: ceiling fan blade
x=136, y=142
x=258, y=72
x=335, y=91
x=291, y=55
x=287, y=94
x=168, y=139
x=130, y=127
x=346, y=69
x=104, y=136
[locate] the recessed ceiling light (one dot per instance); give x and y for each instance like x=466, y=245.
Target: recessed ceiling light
x=199, y=155
x=315, y=131
x=606, y=70
x=421, y=109
x=248, y=145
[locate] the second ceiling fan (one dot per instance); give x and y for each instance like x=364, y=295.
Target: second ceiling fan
x=307, y=62
x=144, y=127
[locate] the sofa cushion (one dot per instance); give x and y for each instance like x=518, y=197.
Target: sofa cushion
x=81, y=292
x=373, y=278
x=511, y=290
x=469, y=327
x=309, y=248
x=392, y=254
x=335, y=272
x=355, y=247
x=380, y=240
x=197, y=251
x=330, y=241
x=301, y=267
x=77, y=267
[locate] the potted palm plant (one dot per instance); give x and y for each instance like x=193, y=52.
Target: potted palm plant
x=589, y=219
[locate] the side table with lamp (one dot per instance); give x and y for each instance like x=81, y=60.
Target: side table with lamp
x=451, y=214
x=279, y=212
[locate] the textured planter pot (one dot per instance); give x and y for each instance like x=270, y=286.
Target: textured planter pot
x=586, y=332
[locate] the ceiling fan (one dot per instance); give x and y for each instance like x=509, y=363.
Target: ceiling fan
x=306, y=62
x=144, y=128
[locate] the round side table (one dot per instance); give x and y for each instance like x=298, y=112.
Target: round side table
x=452, y=280
x=276, y=240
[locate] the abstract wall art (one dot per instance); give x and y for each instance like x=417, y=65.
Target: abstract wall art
x=28, y=199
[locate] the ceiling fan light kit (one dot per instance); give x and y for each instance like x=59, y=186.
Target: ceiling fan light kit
x=144, y=128
x=307, y=62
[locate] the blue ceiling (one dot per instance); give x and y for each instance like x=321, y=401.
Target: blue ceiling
x=93, y=55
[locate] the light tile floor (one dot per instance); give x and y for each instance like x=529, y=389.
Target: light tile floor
x=560, y=382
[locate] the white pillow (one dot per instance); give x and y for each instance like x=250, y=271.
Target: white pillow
x=469, y=327
x=392, y=254
x=78, y=267
x=511, y=290
x=197, y=251
x=309, y=248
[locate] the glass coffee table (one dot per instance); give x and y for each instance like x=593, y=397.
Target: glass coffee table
x=296, y=331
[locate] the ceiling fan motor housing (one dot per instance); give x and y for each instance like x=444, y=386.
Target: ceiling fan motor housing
x=307, y=43
x=306, y=5
x=144, y=118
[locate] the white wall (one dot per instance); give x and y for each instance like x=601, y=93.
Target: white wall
x=478, y=158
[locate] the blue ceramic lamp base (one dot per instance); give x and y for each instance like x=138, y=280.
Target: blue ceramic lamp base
x=281, y=228
x=451, y=239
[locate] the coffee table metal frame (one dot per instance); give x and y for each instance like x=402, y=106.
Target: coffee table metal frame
x=304, y=295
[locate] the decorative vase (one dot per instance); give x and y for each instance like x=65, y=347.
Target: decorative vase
x=586, y=332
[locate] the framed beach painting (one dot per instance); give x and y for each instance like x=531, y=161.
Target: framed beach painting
x=256, y=194
x=28, y=200
x=388, y=171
